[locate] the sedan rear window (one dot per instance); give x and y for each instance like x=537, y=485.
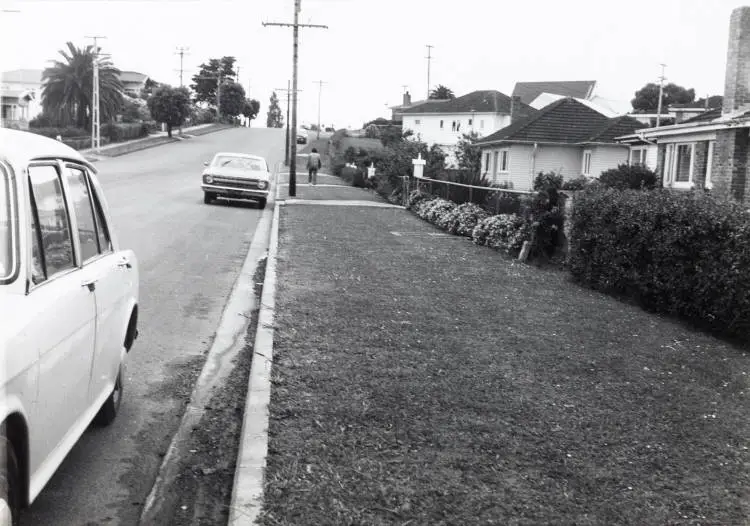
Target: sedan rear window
x=242, y=163
x=7, y=239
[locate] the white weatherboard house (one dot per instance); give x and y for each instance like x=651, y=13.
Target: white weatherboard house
x=444, y=122
x=20, y=97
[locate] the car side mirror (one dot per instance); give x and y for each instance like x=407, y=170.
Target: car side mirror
x=205, y=163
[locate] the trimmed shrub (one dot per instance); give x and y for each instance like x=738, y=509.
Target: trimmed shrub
x=625, y=176
x=579, y=183
x=462, y=219
x=548, y=181
x=416, y=197
x=66, y=132
x=117, y=132
x=683, y=254
x=505, y=232
x=435, y=211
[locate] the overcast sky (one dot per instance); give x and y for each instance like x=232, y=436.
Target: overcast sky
x=372, y=48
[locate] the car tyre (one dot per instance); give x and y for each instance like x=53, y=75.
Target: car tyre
x=208, y=198
x=10, y=485
x=262, y=203
x=109, y=410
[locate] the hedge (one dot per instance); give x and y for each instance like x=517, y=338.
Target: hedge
x=684, y=254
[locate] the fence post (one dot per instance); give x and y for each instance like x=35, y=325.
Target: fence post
x=497, y=203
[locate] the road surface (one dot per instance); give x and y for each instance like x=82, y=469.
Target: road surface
x=189, y=256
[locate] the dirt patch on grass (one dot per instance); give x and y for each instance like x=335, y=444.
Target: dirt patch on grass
x=424, y=380
x=204, y=485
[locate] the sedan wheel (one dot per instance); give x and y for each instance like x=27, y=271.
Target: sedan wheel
x=10, y=502
x=208, y=198
x=108, y=411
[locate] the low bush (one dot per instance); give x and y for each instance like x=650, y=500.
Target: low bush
x=117, y=132
x=435, y=211
x=505, y=232
x=65, y=132
x=682, y=253
x=542, y=212
x=626, y=176
x=579, y=183
x=416, y=197
x=462, y=219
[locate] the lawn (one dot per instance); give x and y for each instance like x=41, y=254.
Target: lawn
x=423, y=380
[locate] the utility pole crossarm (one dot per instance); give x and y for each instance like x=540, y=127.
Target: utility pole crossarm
x=285, y=24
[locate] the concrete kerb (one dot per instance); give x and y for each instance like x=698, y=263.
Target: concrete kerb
x=247, y=490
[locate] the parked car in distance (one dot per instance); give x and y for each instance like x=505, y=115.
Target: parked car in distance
x=68, y=311
x=301, y=136
x=329, y=129
x=236, y=176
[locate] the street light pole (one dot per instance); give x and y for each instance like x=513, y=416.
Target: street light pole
x=295, y=32
x=320, y=89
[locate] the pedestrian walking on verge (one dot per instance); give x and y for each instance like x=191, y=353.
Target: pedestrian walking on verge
x=313, y=165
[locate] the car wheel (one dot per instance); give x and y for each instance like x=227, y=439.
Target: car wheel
x=208, y=198
x=262, y=203
x=108, y=411
x=10, y=485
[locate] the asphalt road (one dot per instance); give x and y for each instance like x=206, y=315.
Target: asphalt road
x=189, y=255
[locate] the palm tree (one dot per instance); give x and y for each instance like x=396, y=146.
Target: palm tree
x=441, y=92
x=68, y=87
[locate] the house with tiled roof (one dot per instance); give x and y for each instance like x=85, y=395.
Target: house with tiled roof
x=133, y=82
x=444, y=122
x=568, y=137
x=20, y=97
x=579, y=89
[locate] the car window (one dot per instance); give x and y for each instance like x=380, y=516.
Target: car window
x=7, y=241
x=102, y=228
x=50, y=213
x=80, y=198
x=243, y=163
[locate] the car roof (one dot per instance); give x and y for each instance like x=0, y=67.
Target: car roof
x=19, y=147
x=245, y=155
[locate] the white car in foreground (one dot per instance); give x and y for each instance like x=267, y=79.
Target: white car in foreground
x=68, y=311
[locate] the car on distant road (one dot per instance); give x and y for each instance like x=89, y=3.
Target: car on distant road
x=236, y=176
x=68, y=311
x=301, y=137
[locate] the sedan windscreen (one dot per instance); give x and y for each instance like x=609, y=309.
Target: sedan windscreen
x=6, y=229
x=241, y=163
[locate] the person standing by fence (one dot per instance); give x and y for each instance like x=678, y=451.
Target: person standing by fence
x=313, y=165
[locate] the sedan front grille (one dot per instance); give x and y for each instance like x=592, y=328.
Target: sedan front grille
x=236, y=182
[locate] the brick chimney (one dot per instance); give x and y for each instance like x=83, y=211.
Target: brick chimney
x=730, y=159
x=515, y=108
x=407, y=99
x=737, y=77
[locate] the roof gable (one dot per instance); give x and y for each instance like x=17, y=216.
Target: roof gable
x=132, y=76
x=482, y=101
x=528, y=91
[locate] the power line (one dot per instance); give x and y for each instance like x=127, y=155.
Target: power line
x=182, y=51
x=429, y=59
x=662, y=78
x=320, y=89
x=96, y=136
x=288, y=95
x=295, y=34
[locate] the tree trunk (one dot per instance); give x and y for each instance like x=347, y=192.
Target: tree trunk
x=169, y=131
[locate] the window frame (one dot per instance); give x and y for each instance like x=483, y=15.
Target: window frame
x=708, y=182
x=586, y=163
x=671, y=156
x=486, y=162
x=504, y=161
x=417, y=122
x=95, y=204
x=72, y=225
x=441, y=124
x=643, y=155
x=6, y=173
x=495, y=156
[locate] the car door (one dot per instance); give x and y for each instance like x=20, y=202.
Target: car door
x=109, y=272
x=63, y=326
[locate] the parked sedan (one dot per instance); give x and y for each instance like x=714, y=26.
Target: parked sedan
x=69, y=311
x=236, y=176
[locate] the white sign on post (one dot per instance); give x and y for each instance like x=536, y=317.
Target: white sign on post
x=419, y=167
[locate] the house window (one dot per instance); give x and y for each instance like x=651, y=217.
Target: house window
x=470, y=121
x=441, y=124
x=587, y=162
x=458, y=126
x=504, y=157
x=678, y=168
x=709, y=161
x=481, y=124
x=638, y=156
x=494, y=165
x=417, y=122
x=486, y=162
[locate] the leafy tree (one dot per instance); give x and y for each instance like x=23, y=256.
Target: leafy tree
x=468, y=154
x=647, y=98
x=251, y=108
x=435, y=161
x=204, y=82
x=68, y=87
x=232, y=99
x=134, y=110
x=274, y=119
x=148, y=88
x=714, y=101
x=170, y=106
x=442, y=92
x=391, y=135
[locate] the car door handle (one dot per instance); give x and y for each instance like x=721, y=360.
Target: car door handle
x=90, y=283
x=124, y=263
